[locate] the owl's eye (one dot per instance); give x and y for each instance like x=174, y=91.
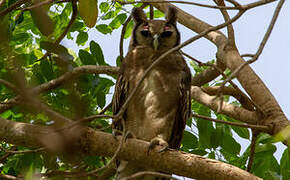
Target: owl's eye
x=145, y=33
x=166, y=34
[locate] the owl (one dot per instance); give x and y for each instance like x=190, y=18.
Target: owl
x=159, y=109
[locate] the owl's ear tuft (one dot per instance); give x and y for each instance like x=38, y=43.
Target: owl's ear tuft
x=171, y=15
x=138, y=15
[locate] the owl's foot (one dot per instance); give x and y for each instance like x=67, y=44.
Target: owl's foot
x=158, y=141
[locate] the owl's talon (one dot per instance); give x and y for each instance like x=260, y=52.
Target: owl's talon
x=157, y=141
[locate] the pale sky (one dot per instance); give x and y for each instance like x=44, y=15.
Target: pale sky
x=272, y=66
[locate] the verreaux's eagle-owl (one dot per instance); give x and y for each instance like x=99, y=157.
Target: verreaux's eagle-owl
x=159, y=109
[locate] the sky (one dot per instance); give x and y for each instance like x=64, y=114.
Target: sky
x=272, y=66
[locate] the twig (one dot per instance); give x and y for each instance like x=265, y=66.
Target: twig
x=247, y=102
x=36, y=5
x=124, y=107
x=252, y=151
x=247, y=55
x=9, y=177
x=255, y=127
x=27, y=151
x=9, y=85
x=7, y=154
x=242, y=7
x=143, y=173
x=262, y=44
x=13, y=7
x=66, y=77
x=73, y=18
x=230, y=29
x=151, y=12
x=121, y=46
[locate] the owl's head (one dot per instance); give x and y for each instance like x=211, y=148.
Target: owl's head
x=158, y=34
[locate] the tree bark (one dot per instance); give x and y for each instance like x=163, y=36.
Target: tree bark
x=91, y=142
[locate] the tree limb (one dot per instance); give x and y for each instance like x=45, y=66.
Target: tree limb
x=230, y=110
x=93, y=142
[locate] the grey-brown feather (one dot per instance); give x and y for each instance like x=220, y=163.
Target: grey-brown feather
x=162, y=104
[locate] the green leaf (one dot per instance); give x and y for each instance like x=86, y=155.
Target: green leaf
x=82, y=38
x=270, y=175
x=88, y=11
x=157, y=14
x=129, y=29
x=104, y=7
x=211, y=155
x=230, y=145
x=242, y=132
x=53, y=48
x=262, y=165
x=262, y=149
x=20, y=37
x=97, y=52
x=86, y=58
x=109, y=15
x=101, y=99
x=118, y=21
x=46, y=69
x=7, y=114
x=41, y=19
x=118, y=61
x=264, y=138
x=189, y=140
x=104, y=28
x=77, y=26
x=285, y=164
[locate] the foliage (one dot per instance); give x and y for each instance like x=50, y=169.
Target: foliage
x=29, y=40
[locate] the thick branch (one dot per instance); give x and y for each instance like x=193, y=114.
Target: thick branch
x=230, y=110
x=98, y=143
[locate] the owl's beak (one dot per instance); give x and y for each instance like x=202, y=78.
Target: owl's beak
x=155, y=42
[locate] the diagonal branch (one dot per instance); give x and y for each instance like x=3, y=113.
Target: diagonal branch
x=230, y=110
x=262, y=44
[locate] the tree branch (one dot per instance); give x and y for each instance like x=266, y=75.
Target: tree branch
x=230, y=110
x=13, y=7
x=66, y=77
x=98, y=143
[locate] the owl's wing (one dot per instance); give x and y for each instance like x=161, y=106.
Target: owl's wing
x=120, y=96
x=183, y=111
